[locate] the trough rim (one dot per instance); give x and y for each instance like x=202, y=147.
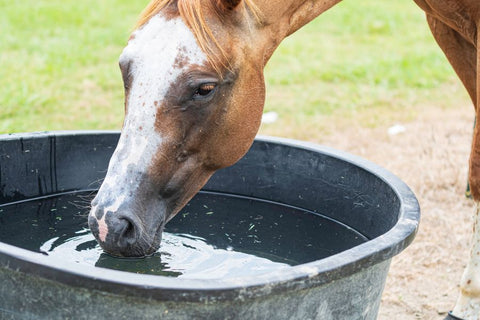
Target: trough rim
x=293, y=278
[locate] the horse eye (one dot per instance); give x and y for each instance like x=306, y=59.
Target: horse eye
x=204, y=90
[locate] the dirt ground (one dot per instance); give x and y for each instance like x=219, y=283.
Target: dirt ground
x=431, y=156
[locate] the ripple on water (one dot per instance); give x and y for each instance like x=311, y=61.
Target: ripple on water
x=180, y=255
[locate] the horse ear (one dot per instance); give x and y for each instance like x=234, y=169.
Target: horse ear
x=227, y=5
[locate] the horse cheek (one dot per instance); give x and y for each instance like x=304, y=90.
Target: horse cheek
x=241, y=122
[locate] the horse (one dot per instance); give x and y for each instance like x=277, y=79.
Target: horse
x=194, y=96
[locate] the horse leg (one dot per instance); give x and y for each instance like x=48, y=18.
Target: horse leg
x=463, y=57
x=468, y=303
x=461, y=54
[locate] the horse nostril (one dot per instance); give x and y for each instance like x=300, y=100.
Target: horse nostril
x=127, y=232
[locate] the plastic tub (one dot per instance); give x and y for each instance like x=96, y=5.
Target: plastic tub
x=317, y=180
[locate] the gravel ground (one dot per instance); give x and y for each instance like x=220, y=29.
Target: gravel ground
x=431, y=156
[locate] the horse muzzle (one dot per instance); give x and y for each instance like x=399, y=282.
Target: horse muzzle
x=120, y=231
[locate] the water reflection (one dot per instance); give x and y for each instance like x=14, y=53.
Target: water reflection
x=180, y=255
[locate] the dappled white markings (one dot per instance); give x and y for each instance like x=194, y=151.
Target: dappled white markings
x=135, y=156
x=93, y=209
x=115, y=205
x=153, y=54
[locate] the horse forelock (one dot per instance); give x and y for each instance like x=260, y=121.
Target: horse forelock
x=194, y=13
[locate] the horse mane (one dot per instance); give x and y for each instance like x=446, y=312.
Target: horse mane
x=191, y=11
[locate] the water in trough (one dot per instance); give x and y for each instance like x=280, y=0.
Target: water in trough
x=215, y=236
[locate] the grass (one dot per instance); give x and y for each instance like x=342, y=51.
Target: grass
x=59, y=66
x=367, y=64
x=370, y=63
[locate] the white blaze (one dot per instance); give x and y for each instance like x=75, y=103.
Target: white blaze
x=153, y=54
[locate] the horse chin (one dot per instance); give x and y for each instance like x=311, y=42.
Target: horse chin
x=141, y=246
x=140, y=249
x=135, y=251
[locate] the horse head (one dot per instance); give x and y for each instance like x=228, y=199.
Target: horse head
x=194, y=94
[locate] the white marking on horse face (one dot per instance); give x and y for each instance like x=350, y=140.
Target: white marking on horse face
x=102, y=229
x=153, y=54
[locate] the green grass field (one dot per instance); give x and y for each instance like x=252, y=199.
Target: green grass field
x=370, y=63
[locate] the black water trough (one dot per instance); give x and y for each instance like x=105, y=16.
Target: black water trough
x=334, y=274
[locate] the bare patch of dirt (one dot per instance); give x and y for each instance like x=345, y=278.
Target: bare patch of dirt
x=431, y=156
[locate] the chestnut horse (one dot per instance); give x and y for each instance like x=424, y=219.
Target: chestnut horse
x=194, y=94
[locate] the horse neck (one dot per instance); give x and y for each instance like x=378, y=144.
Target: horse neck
x=283, y=17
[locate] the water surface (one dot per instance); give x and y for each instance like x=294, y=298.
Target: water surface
x=214, y=236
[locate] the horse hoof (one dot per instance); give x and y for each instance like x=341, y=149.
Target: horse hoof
x=450, y=316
